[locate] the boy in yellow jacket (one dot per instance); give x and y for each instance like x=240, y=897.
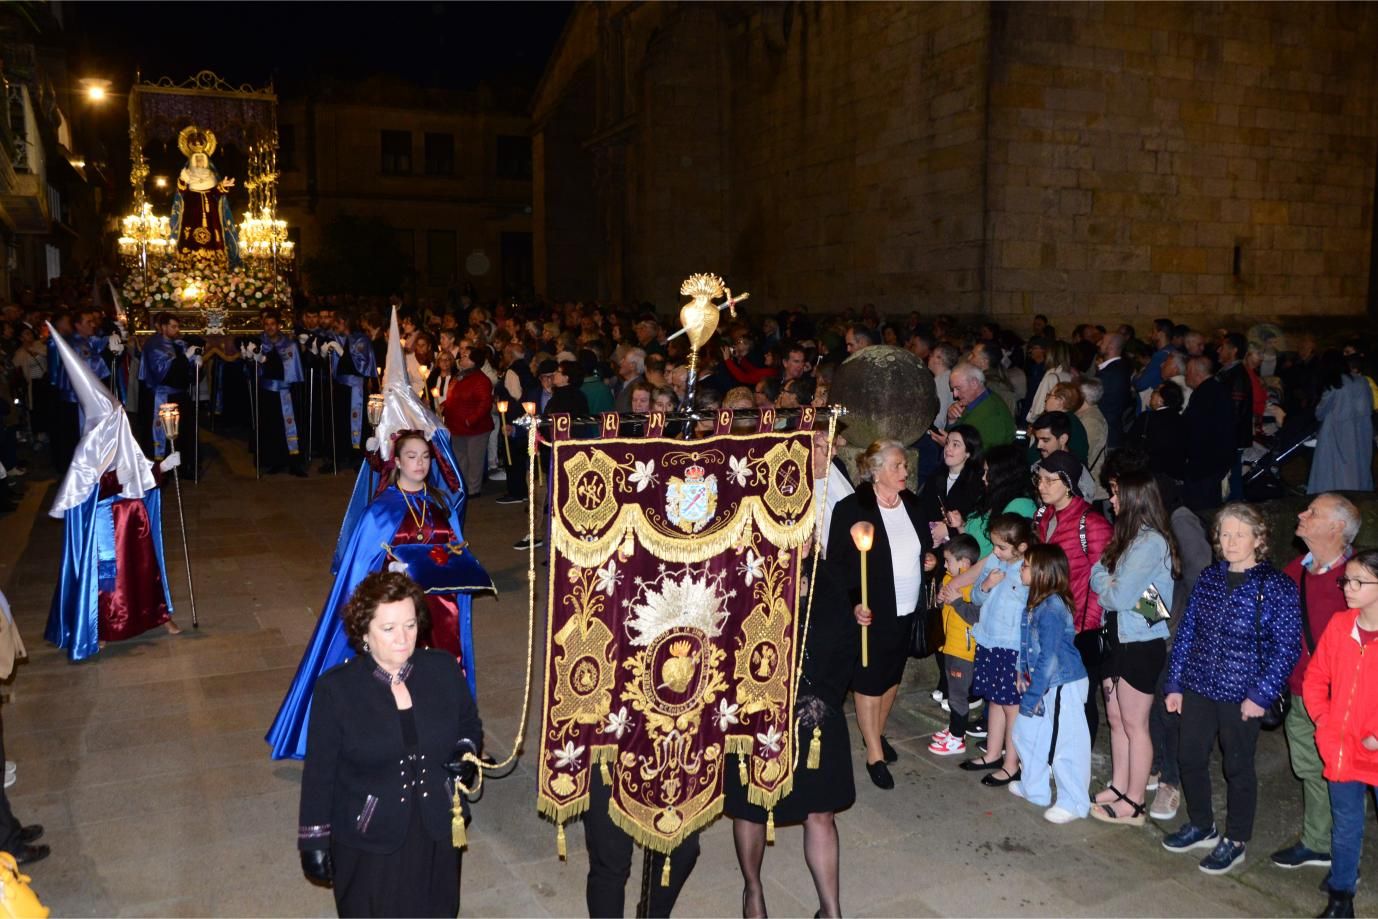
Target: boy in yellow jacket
x=959, y=648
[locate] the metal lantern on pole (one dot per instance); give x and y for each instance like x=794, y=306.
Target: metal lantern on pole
x=170, y=417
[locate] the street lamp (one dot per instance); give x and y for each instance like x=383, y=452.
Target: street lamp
x=95, y=89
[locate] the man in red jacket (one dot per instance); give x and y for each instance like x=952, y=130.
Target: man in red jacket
x=1066, y=520
x=468, y=411
x=1327, y=527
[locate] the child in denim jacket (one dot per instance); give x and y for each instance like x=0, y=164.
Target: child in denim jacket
x=1051, y=734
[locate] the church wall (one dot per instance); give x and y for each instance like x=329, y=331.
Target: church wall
x=1133, y=146
x=856, y=154
x=1116, y=160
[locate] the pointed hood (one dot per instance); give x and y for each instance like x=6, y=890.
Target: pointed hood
x=107, y=441
x=402, y=408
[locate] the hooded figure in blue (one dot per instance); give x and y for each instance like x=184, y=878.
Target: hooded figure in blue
x=406, y=514
x=113, y=583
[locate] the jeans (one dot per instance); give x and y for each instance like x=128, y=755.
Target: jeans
x=610, y=862
x=1165, y=728
x=1203, y=720
x=1347, y=800
x=1057, y=745
x=1307, y=765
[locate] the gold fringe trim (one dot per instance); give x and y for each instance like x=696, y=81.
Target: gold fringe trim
x=741, y=744
x=657, y=843
x=562, y=813
x=684, y=548
x=815, y=748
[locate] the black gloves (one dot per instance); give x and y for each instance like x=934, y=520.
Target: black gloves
x=317, y=866
x=463, y=770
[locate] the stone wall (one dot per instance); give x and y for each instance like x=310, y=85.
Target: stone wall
x=1135, y=146
x=1115, y=160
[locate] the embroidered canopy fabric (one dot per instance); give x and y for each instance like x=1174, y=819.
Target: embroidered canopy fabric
x=673, y=634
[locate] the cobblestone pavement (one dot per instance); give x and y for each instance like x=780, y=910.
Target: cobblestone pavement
x=149, y=770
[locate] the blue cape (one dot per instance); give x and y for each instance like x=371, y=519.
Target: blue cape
x=88, y=544
x=367, y=529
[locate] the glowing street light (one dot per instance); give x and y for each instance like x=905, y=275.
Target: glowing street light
x=96, y=89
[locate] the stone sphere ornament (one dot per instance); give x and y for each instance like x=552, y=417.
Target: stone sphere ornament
x=889, y=394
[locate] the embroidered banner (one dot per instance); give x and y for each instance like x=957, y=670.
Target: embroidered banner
x=673, y=633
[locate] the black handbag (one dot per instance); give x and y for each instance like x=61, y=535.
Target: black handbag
x=926, y=630
x=1276, y=713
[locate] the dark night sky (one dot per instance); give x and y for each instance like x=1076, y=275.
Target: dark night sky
x=444, y=45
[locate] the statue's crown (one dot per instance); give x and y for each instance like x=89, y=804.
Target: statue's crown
x=702, y=285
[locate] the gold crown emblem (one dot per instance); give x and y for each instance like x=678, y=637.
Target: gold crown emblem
x=707, y=286
x=193, y=139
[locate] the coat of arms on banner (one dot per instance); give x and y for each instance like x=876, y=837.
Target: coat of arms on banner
x=673, y=632
x=691, y=501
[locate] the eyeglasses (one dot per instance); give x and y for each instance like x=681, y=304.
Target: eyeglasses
x=1345, y=582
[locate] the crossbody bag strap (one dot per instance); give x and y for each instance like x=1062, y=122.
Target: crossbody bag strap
x=1086, y=551
x=1306, y=619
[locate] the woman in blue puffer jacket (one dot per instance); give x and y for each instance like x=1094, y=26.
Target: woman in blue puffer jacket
x=1233, y=653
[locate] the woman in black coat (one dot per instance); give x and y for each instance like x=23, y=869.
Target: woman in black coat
x=389, y=734
x=895, y=575
x=955, y=487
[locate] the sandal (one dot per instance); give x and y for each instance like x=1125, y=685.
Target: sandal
x=1105, y=813
x=1119, y=796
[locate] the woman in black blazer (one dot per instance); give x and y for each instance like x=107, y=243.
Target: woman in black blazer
x=388, y=734
x=895, y=573
x=956, y=484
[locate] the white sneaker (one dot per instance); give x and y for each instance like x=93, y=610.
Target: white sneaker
x=948, y=746
x=945, y=705
x=938, y=695
x=1057, y=814
x=1016, y=789
x=497, y=475
x=10, y=767
x=10, y=779
x=1166, y=802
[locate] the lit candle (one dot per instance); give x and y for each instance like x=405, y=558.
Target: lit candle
x=502, y=420
x=863, y=537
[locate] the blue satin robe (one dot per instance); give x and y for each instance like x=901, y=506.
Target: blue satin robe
x=367, y=527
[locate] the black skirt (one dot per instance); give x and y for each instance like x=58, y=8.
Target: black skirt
x=827, y=789
x=887, y=651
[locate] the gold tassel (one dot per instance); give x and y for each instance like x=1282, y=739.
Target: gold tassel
x=815, y=748
x=770, y=827
x=628, y=546
x=560, y=842
x=607, y=776
x=741, y=768
x=459, y=838
x=665, y=872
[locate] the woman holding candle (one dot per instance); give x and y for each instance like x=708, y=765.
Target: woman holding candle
x=468, y=411
x=895, y=574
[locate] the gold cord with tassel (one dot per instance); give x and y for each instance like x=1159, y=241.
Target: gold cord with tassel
x=459, y=837
x=741, y=768
x=770, y=827
x=560, y=848
x=665, y=871
x=815, y=748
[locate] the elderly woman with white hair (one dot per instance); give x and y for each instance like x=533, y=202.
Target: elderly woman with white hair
x=895, y=579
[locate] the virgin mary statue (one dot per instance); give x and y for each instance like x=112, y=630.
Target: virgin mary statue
x=201, y=220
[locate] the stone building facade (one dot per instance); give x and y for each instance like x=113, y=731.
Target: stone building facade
x=1116, y=160
x=449, y=171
